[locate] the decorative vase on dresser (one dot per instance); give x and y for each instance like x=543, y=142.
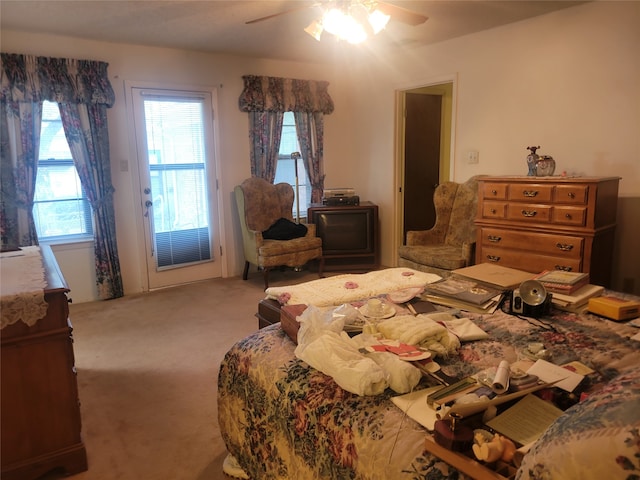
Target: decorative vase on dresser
x=40, y=410
x=548, y=223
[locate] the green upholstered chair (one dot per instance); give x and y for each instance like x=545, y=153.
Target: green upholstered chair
x=260, y=204
x=450, y=243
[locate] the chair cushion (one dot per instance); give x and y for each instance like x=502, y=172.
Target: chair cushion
x=284, y=229
x=272, y=248
x=446, y=257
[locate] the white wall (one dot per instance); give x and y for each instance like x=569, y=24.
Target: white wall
x=568, y=81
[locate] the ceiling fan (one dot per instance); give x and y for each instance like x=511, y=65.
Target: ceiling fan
x=352, y=20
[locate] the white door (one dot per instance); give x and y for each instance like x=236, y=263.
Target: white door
x=174, y=145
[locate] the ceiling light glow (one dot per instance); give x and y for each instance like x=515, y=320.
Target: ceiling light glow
x=349, y=22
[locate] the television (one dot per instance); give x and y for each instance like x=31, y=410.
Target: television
x=348, y=232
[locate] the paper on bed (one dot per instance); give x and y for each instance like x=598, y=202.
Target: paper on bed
x=347, y=288
x=414, y=404
x=548, y=372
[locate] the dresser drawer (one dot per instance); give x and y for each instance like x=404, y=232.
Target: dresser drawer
x=530, y=262
x=529, y=212
x=570, y=216
x=494, y=191
x=565, y=246
x=547, y=223
x=572, y=194
x=494, y=210
x=530, y=192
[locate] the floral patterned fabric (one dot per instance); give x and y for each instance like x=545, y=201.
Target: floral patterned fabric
x=277, y=94
x=83, y=93
x=282, y=419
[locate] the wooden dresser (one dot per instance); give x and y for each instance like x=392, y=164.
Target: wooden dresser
x=547, y=223
x=40, y=408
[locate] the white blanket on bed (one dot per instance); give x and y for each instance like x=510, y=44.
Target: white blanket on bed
x=421, y=331
x=324, y=346
x=350, y=287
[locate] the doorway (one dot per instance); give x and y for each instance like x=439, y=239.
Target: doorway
x=176, y=169
x=424, y=139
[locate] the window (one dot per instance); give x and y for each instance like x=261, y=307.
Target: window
x=60, y=209
x=286, y=169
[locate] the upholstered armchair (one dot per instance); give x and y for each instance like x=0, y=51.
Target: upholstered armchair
x=260, y=205
x=450, y=243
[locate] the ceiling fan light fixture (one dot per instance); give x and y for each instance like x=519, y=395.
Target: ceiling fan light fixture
x=315, y=29
x=343, y=25
x=378, y=20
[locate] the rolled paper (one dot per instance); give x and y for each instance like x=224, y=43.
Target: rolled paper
x=501, y=380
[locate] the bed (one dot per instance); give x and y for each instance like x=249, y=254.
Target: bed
x=282, y=419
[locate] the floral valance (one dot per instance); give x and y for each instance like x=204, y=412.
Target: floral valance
x=27, y=78
x=275, y=94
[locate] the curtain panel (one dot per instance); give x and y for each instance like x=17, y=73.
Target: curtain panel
x=82, y=90
x=276, y=94
x=266, y=99
x=27, y=78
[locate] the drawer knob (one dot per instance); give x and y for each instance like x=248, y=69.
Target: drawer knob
x=564, y=268
x=494, y=238
x=565, y=247
x=567, y=215
x=529, y=213
x=571, y=195
x=494, y=192
x=493, y=258
x=530, y=193
x=493, y=211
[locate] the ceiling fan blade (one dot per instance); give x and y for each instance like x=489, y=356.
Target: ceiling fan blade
x=285, y=12
x=402, y=14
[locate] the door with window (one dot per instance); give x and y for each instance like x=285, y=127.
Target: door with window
x=175, y=150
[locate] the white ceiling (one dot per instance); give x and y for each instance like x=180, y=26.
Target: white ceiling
x=219, y=26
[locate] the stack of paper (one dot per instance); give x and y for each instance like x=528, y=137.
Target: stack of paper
x=479, y=288
x=464, y=294
x=495, y=275
x=578, y=301
x=559, y=281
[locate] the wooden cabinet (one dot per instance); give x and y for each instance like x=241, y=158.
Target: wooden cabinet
x=548, y=223
x=349, y=235
x=40, y=409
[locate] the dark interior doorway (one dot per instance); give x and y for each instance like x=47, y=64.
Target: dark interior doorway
x=427, y=138
x=421, y=159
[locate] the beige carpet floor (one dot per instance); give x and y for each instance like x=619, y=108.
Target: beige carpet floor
x=147, y=376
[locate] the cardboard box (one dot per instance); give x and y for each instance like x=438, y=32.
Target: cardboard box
x=614, y=308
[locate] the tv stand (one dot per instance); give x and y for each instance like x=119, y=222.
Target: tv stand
x=349, y=235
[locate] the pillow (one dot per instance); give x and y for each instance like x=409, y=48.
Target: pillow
x=597, y=438
x=284, y=229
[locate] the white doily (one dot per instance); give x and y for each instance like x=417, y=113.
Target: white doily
x=22, y=287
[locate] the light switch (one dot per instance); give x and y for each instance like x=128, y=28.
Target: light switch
x=472, y=157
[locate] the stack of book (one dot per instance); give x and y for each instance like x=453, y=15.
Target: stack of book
x=559, y=281
x=578, y=301
x=479, y=288
x=464, y=294
x=570, y=291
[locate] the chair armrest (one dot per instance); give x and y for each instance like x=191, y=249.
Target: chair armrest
x=255, y=237
x=311, y=230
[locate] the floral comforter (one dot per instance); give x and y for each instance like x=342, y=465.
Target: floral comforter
x=282, y=419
